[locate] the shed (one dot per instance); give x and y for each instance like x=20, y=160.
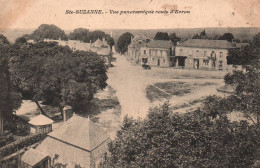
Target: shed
x=40, y=124
x=35, y=159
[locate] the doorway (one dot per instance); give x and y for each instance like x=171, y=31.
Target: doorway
x=196, y=63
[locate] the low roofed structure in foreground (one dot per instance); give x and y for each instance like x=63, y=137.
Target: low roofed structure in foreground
x=35, y=159
x=41, y=124
x=77, y=142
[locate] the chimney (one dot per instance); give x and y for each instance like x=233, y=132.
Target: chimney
x=67, y=110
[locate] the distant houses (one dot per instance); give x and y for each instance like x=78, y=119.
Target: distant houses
x=190, y=54
x=101, y=47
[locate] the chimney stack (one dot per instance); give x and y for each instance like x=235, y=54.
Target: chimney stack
x=67, y=111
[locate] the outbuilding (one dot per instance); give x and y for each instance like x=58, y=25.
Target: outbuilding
x=40, y=124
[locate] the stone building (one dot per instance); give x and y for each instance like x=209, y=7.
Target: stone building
x=158, y=53
x=202, y=54
x=134, y=48
x=77, y=142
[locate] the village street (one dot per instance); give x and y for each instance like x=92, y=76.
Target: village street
x=130, y=82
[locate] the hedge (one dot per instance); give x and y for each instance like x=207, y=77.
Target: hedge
x=20, y=144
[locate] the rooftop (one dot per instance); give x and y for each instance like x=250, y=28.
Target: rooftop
x=81, y=132
x=160, y=44
x=33, y=157
x=40, y=120
x=204, y=43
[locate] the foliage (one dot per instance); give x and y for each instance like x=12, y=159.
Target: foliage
x=161, y=36
x=87, y=36
x=20, y=144
x=48, y=31
x=72, y=79
x=227, y=36
x=57, y=75
x=247, y=94
x=3, y=40
x=10, y=99
x=189, y=140
x=202, y=35
x=174, y=38
x=21, y=40
x=246, y=55
x=123, y=42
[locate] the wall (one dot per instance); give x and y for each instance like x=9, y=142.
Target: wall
x=155, y=54
x=203, y=54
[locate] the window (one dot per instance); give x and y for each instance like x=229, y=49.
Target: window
x=181, y=52
x=164, y=61
x=205, y=53
x=221, y=54
x=144, y=52
x=213, y=55
x=150, y=52
x=206, y=62
x=220, y=63
x=159, y=53
x=164, y=54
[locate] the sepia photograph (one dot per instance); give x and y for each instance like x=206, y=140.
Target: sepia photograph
x=129, y=84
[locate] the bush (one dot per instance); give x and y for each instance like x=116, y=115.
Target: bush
x=20, y=144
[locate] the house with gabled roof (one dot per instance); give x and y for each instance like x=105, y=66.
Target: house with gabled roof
x=134, y=48
x=78, y=141
x=202, y=54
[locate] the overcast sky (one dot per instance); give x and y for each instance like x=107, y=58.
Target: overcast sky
x=203, y=13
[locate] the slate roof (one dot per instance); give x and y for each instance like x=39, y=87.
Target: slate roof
x=137, y=44
x=160, y=44
x=33, y=157
x=80, y=132
x=204, y=43
x=40, y=120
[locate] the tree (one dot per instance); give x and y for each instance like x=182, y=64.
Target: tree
x=161, y=36
x=73, y=79
x=21, y=40
x=80, y=34
x=171, y=140
x=3, y=40
x=86, y=36
x=227, y=36
x=48, y=31
x=202, y=35
x=246, y=55
x=174, y=38
x=10, y=100
x=123, y=42
x=58, y=76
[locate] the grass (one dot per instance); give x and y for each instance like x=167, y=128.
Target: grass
x=165, y=90
x=153, y=94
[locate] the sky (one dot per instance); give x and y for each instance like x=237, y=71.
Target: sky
x=203, y=13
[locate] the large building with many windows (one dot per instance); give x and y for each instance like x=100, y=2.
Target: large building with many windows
x=158, y=53
x=202, y=54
